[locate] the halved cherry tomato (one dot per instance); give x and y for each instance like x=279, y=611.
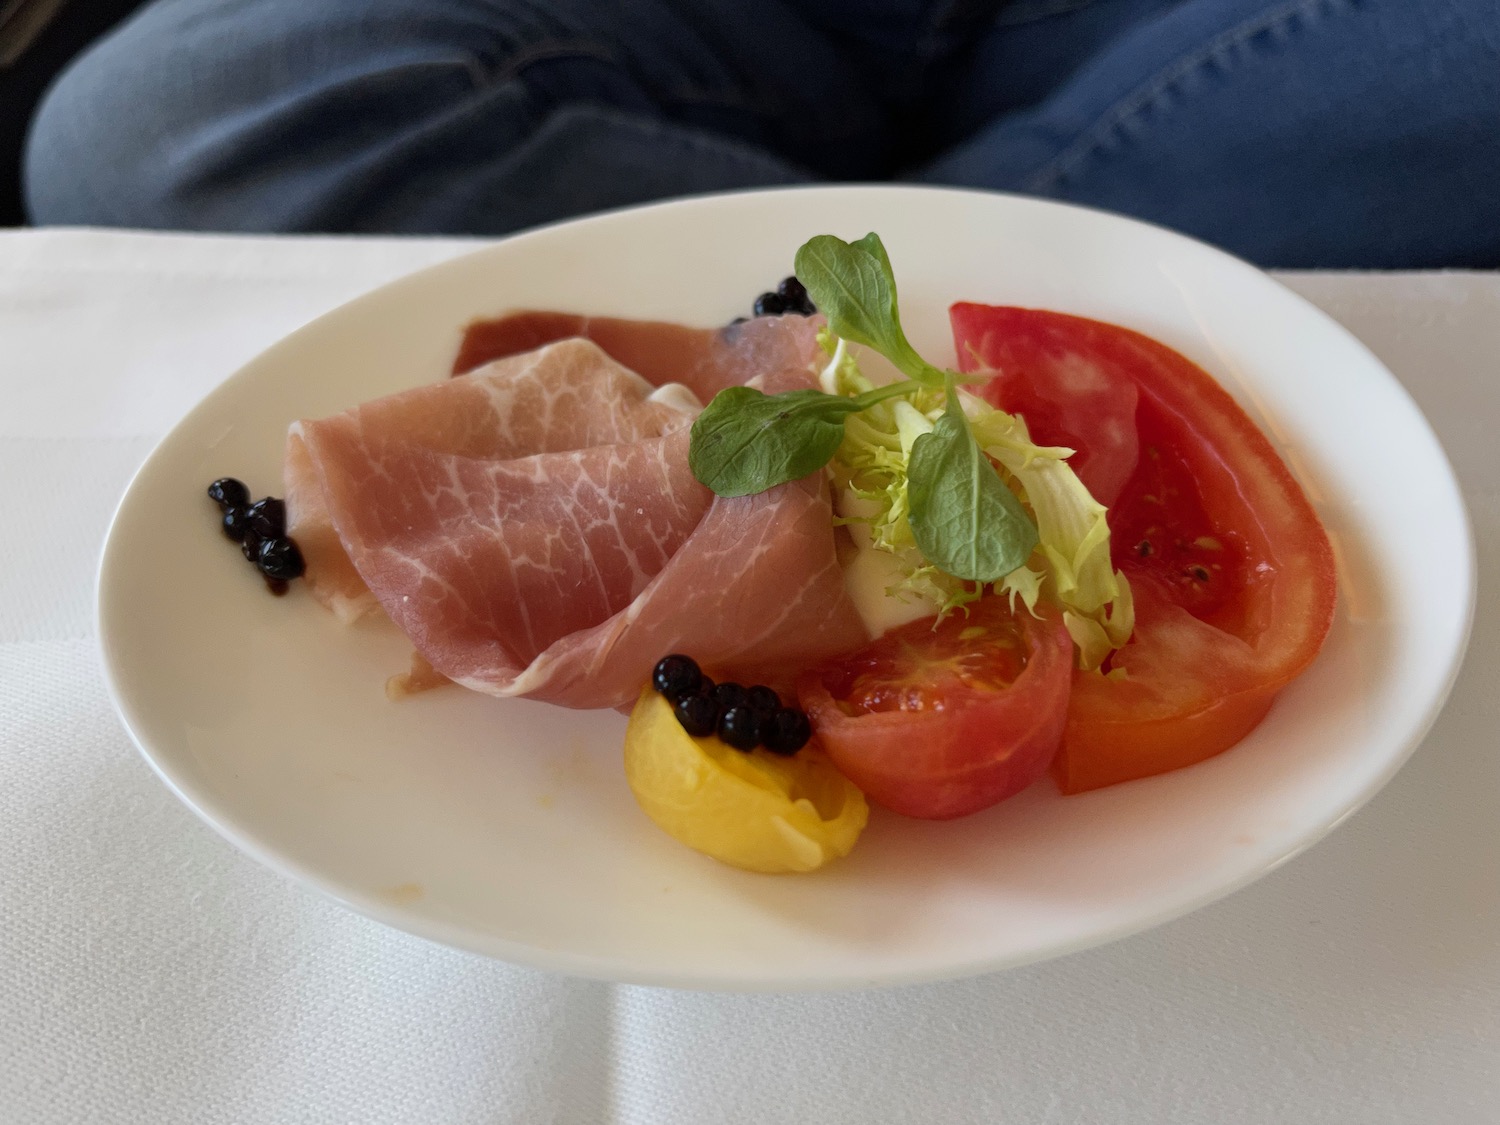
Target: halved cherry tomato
x=939, y=722
x=1232, y=572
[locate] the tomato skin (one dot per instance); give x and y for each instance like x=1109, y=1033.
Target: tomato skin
x=1185, y=700
x=1067, y=396
x=983, y=745
x=1112, y=750
x=1205, y=664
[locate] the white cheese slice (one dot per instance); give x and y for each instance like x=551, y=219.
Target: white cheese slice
x=868, y=574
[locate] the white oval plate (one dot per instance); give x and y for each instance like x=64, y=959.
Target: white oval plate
x=506, y=827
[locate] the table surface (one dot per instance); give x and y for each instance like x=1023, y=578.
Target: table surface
x=149, y=973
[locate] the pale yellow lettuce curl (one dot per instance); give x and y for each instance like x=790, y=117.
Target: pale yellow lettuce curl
x=1071, y=565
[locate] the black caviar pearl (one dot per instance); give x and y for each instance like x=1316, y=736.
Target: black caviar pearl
x=676, y=675
x=786, y=731
x=763, y=699
x=280, y=558
x=268, y=518
x=707, y=687
x=728, y=695
x=698, y=714
x=236, y=523
x=250, y=546
x=740, y=727
x=227, y=492
x=794, y=293
x=769, y=304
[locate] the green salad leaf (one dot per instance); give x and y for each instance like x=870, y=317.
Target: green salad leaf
x=952, y=487
x=854, y=287
x=1074, y=533
x=746, y=441
x=963, y=517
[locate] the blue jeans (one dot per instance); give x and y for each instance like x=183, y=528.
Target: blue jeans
x=1323, y=133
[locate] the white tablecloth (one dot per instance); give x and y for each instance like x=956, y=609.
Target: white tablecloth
x=149, y=973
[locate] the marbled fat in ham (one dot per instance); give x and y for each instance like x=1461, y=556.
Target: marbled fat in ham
x=566, y=398
x=534, y=529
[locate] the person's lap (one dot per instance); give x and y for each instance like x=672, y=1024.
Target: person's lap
x=1294, y=132
x=1297, y=132
x=418, y=115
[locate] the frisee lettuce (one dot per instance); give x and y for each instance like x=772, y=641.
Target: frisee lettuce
x=1071, y=565
x=1074, y=528
x=951, y=487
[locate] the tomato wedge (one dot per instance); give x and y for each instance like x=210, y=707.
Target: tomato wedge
x=1232, y=572
x=942, y=720
x=1062, y=393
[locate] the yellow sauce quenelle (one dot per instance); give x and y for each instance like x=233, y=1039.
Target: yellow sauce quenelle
x=757, y=811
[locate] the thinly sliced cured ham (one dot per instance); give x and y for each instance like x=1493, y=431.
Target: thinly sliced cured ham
x=755, y=593
x=774, y=352
x=534, y=528
x=567, y=397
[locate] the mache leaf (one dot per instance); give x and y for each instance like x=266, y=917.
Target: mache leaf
x=746, y=441
x=964, y=519
x=852, y=283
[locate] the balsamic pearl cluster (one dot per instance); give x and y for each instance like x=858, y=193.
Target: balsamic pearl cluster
x=260, y=530
x=741, y=717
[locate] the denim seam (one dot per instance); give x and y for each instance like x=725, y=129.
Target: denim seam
x=1149, y=93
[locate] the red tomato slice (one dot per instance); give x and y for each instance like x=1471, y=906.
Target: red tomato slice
x=939, y=722
x=1062, y=391
x=1232, y=572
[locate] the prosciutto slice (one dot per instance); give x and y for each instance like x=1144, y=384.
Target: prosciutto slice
x=534, y=529
x=776, y=353
x=347, y=471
